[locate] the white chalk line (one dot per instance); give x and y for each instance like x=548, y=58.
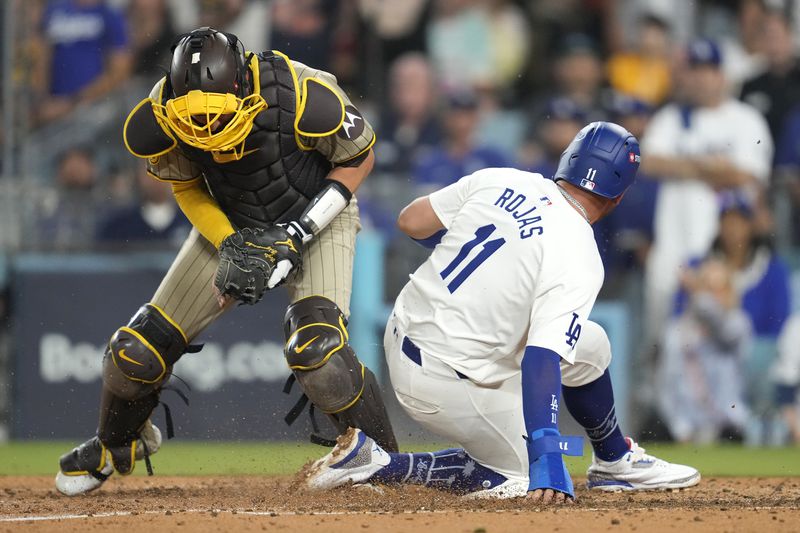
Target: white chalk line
x=276, y=514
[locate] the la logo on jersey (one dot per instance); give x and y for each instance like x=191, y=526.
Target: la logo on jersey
x=588, y=181
x=574, y=331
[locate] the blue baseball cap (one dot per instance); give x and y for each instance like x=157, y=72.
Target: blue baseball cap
x=625, y=105
x=704, y=52
x=462, y=100
x=564, y=108
x=735, y=201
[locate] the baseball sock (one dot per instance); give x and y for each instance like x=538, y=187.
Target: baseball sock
x=451, y=469
x=592, y=406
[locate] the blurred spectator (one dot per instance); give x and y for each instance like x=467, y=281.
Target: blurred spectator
x=399, y=26
x=459, y=155
x=759, y=276
x=81, y=55
x=152, y=34
x=786, y=176
x=644, y=70
x=219, y=13
x=460, y=45
x=409, y=127
x=303, y=30
x=153, y=218
x=502, y=125
x=775, y=92
x=551, y=20
x=625, y=236
x=679, y=15
x=700, y=385
x=738, y=27
x=761, y=281
x=67, y=217
x=708, y=144
x=509, y=41
x=786, y=376
x=247, y=19
x=561, y=121
x=578, y=73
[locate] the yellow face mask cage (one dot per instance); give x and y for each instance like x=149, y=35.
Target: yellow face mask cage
x=227, y=143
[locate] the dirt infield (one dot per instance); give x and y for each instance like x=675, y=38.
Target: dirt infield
x=272, y=504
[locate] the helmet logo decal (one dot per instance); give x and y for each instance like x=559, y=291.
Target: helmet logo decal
x=633, y=158
x=588, y=181
x=195, y=57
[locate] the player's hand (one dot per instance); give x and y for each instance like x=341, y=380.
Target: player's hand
x=549, y=497
x=222, y=299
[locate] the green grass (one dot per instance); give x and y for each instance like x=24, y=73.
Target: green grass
x=214, y=458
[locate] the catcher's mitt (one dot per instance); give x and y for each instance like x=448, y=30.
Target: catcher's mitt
x=249, y=257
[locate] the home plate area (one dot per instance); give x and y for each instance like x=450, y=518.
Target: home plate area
x=252, y=503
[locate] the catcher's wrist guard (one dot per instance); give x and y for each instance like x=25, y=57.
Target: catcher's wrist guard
x=248, y=258
x=322, y=209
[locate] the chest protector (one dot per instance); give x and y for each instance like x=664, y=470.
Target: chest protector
x=275, y=179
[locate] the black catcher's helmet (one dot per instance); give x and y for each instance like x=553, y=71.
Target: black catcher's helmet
x=210, y=61
x=211, y=98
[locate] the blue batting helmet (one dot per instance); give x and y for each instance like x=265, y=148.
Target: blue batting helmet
x=602, y=158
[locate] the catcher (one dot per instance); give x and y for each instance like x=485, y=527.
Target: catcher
x=264, y=155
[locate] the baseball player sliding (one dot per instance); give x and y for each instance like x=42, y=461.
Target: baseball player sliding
x=494, y=325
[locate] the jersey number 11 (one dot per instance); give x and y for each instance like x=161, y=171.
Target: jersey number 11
x=481, y=234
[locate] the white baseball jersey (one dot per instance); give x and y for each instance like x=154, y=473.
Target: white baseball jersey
x=687, y=211
x=518, y=266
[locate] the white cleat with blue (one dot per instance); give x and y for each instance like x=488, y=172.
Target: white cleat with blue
x=354, y=459
x=639, y=471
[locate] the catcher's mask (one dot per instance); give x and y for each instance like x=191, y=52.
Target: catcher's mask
x=212, y=95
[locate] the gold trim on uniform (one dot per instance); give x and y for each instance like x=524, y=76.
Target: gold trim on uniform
x=98, y=469
x=327, y=355
x=296, y=99
x=170, y=320
x=304, y=98
x=369, y=146
x=147, y=345
x=136, y=108
x=358, y=396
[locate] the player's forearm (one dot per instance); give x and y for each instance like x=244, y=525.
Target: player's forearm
x=669, y=168
x=541, y=388
x=724, y=174
x=718, y=172
x=202, y=211
x=418, y=220
x=119, y=67
x=331, y=200
x=352, y=177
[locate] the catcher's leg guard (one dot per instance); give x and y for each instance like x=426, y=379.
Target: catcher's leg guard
x=329, y=372
x=137, y=363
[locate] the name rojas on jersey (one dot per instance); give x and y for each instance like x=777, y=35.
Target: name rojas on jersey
x=522, y=210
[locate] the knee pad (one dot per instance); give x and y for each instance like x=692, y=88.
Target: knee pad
x=318, y=353
x=592, y=357
x=143, y=352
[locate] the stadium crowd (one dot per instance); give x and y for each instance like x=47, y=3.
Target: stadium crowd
x=703, y=244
